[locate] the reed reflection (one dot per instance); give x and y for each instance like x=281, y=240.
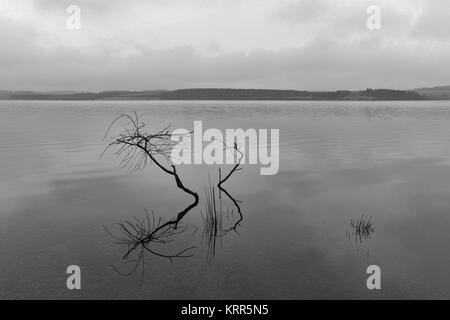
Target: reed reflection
x=360, y=230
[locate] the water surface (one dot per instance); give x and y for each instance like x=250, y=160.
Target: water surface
x=338, y=160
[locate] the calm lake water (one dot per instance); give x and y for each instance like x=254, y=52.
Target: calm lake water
x=338, y=160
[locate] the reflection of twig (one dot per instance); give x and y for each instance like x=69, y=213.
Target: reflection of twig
x=213, y=217
x=221, y=181
x=135, y=147
x=132, y=232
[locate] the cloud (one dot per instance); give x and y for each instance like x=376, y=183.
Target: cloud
x=433, y=21
x=257, y=43
x=301, y=11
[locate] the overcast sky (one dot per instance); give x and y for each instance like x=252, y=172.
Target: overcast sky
x=169, y=44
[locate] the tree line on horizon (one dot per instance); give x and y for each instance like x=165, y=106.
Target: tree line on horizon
x=225, y=94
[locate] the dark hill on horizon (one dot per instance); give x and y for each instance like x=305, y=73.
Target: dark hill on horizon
x=437, y=93
x=222, y=94
x=268, y=94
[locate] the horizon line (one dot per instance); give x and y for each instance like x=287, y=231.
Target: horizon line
x=62, y=91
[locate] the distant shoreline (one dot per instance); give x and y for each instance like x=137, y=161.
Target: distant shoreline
x=224, y=100
x=214, y=94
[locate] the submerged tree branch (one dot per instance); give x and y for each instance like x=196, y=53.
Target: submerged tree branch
x=221, y=189
x=136, y=147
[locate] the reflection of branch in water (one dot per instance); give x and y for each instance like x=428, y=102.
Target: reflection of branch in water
x=133, y=231
x=221, y=189
x=135, y=147
x=213, y=230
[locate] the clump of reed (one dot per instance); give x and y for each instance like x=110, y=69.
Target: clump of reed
x=212, y=221
x=361, y=228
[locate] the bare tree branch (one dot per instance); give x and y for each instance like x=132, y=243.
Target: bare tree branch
x=221, y=189
x=135, y=147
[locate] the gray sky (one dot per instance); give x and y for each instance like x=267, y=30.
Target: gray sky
x=169, y=44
